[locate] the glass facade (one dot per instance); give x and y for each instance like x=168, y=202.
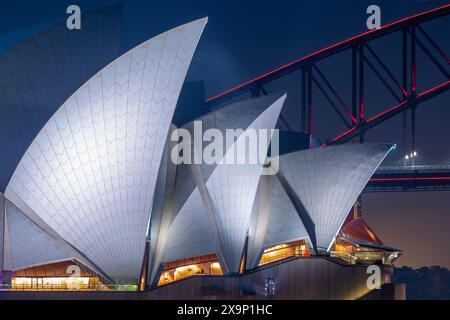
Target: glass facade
x=55, y=284
x=58, y=276
x=197, y=266
x=283, y=251
x=352, y=253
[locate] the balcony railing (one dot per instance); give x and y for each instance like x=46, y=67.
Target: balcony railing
x=52, y=288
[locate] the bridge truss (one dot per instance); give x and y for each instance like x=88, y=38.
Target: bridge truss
x=403, y=88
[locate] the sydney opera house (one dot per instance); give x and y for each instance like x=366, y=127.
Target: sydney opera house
x=92, y=201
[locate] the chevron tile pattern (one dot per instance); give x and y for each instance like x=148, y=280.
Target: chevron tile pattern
x=329, y=180
x=284, y=222
x=230, y=189
x=41, y=73
x=90, y=174
x=190, y=233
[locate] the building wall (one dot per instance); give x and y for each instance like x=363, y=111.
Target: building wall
x=296, y=279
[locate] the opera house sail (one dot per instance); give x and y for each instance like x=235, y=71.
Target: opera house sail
x=326, y=182
x=216, y=215
x=91, y=171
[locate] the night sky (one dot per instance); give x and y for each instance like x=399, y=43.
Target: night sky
x=246, y=38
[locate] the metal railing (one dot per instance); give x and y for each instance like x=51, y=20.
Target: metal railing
x=346, y=257
x=65, y=288
x=411, y=168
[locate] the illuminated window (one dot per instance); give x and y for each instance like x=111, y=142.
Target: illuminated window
x=177, y=270
x=51, y=283
x=55, y=277
x=354, y=253
x=283, y=251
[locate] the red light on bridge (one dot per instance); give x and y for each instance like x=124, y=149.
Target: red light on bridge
x=410, y=179
x=392, y=24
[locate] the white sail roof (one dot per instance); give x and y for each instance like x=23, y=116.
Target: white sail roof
x=216, y=216
x=327, y=182
x=26, y=244
x=274, y=221
x=90, y=173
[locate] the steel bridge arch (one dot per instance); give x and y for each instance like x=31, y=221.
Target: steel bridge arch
x=354, y=116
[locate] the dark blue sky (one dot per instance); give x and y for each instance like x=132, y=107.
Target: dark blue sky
x=246, y=38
